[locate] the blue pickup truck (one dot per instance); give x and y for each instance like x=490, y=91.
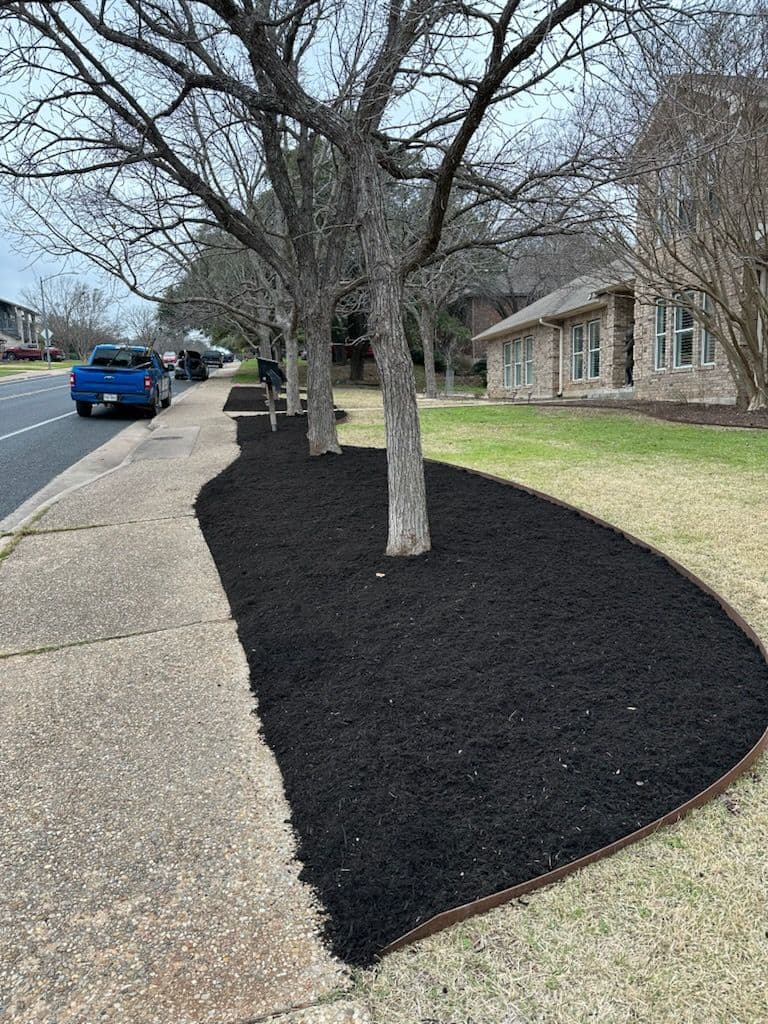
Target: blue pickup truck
x=121, y=375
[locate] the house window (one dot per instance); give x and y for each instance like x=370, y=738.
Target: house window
x=707, y=337
x=682, y=352
x=577, y=352
x=507, y=363
x=528, y=358
x=660, y=348
x=593, y=349
x=518, y=343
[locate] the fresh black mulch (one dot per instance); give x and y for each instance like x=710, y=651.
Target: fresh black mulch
x=680, y=412
x=447, y=726
x=253, y=399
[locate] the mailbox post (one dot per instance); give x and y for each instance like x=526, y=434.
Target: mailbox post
x=273, y=378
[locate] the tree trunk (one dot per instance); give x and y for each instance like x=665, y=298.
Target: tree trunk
x=357, y=362
x=292, y=399
x=408, y=522
x=321, y=421
x=356, y=328
x=428, y=336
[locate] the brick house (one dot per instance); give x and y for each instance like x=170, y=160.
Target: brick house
x=570, y=343
x=694, y=285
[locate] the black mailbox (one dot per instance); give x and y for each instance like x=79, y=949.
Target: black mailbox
x=270, y=373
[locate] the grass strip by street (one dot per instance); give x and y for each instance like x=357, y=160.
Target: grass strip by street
x=672, y=931
x=10, y=369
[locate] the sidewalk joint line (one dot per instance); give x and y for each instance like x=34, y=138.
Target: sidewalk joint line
x=106, y=526
x=117, y=636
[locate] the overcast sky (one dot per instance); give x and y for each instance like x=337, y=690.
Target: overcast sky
x=18, y=274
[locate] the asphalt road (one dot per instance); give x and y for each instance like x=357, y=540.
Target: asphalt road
x=41, y=435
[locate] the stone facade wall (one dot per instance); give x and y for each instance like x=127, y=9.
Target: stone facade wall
x=611, y=371
x=545, y=362
x=696, y=383
x=614, y=318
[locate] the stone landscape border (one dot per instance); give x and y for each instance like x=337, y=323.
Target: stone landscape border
x=447, y=918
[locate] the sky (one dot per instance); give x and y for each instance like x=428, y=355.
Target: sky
x=20, y=274
x=16, y=276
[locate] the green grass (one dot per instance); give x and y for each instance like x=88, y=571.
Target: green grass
x=9, y=369
x=493, y=434
x=672, y=930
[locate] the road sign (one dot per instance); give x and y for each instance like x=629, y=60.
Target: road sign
x=46, y=335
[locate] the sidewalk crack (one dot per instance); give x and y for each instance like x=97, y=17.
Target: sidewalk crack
x=117, y=636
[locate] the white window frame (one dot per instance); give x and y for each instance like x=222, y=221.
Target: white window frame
x=683, y=303
x=506, y=363
x=577, y=353
x=593, y=332
x=660, y=335
x=707, y=338
x=518, y=361
x=528, y=359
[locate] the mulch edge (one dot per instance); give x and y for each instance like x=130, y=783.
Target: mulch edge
x=447, y=918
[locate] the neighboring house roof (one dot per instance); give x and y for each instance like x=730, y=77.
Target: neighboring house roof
x=585, y=292
x=17, y=305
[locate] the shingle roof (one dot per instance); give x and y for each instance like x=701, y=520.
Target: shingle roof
x=579, y=293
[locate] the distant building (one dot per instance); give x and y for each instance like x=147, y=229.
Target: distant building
x=19, y=324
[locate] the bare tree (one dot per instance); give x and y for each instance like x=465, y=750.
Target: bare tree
x=226, y=286
x=693, y=217
x=399, y=92
x=79, y=315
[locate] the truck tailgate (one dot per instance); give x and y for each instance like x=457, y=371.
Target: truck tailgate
x=111, y=380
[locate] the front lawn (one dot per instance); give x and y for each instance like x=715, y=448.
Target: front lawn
x=672, y=931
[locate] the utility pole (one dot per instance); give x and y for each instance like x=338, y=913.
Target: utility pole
x=46, y=334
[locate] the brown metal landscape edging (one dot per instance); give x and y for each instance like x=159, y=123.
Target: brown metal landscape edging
x=486, y=903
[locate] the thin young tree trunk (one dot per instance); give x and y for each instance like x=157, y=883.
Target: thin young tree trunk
x=321, y=421
x=357, y=362
x=428, y=335
x=292, y=399
x=408, y=521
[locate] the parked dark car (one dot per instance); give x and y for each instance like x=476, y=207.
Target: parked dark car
x=229, y=357
x=190, y=366
x=213, y=358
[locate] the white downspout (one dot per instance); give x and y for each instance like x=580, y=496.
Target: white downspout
x=559, y=328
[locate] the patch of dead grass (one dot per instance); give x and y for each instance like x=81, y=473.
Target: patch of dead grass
x=675, y=929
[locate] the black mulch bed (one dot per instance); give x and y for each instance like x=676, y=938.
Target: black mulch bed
x=532, y=689
x=680, y=412
x=254, y=399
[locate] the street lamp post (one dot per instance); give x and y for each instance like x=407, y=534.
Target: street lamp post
x=45, y=333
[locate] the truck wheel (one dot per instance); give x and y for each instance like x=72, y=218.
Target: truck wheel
x=9, y=357
x=156, y=405
x=166, y=402
x=84, y=408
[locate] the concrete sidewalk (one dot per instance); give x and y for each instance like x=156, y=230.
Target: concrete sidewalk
x=146, y=858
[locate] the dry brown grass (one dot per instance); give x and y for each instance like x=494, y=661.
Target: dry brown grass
x=675, y=929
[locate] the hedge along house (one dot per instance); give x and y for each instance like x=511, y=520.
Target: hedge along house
x=570, y=343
